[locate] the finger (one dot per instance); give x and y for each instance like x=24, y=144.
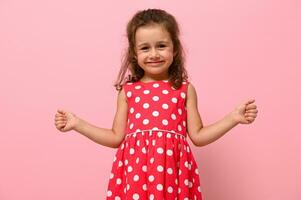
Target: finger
x=249, y=101
x=252, y=111
x=61, y=111
x=251, y=106
x=253, y=115
x=61, y=127
x=60, y=118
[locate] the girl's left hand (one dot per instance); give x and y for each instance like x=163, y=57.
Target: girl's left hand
x=245, y=113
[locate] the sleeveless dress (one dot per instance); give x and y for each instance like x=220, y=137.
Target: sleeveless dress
x=154, y=161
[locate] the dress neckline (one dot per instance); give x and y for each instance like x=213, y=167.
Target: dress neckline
x=154, y=81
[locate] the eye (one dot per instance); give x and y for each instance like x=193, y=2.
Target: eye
x=162, y=45
x=144, y=48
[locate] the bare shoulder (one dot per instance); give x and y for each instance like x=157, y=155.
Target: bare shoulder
x=122, y=96
x=191, y=92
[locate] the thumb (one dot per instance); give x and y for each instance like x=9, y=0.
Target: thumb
x=61, y=111
x=250, y=101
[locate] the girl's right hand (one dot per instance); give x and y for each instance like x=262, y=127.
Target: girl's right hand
x=65, y=121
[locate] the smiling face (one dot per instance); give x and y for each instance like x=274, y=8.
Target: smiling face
x=154, y=51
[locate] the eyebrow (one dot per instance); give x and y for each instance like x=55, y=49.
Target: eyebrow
x=145, y=43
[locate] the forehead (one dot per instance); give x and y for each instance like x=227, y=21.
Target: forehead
x=151, y=34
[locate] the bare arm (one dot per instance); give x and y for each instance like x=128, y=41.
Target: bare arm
x=107, y=137
x=202, y=136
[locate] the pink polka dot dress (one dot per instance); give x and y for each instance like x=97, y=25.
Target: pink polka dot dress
x=154, y=161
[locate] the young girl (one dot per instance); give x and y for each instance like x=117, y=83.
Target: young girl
x=157, y=109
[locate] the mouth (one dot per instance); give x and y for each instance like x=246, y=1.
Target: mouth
x=154, y=63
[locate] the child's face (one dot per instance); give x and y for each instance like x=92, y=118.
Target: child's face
x=154, y=50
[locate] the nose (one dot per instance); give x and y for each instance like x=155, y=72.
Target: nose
x=154, y=53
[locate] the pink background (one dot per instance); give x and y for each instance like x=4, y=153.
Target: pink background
x=66, y=54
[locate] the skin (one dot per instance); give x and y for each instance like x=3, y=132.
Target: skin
x=154, y=52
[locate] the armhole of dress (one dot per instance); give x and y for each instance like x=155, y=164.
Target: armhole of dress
x=186, y=91
x=125, y=88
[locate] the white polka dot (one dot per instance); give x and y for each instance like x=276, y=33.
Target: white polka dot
x=132, y=151
x=155, y=113
x=138, y=115
x=126, y=162
x=165, y=91
x=173, y=116
x=168, y=135
x=169, y=171
x=169, y=152
x=184, y=123
x=136, y=178
x=159, y=134
x=129, y=94
x=190, y=184
x=183, y=95
x=186, y=164
x=155, y=128
x=120, y=163
x=152, y=160
x=196, y=171
x=145, y=105
x=137, y=87
x=131, y=126
x=144, y=187
x=176, y=181
x=174, y=100
x=180, y=111
x=180, y=172
x=130, y=169
x=154, y=142
x=151, y=178
x=144, y=168
x=137, y=160
x=199, y=188
x=165, y=122
x=143, y=150
x=155, y=85
x=118, y=181
x=135, y=196
x=131, y=110
x=160, y=187
x=179, y=128
x=165, y=106
x=160, y=168
x=117, y=198
x=146, y=91
x=151, y=197
x=155, y=98
x=160, y=150
x=169, y=189
x=145, y=121
x=111, y=175
x=186, y=182
x=137, y=99
x=179, y=190
x=109, y=193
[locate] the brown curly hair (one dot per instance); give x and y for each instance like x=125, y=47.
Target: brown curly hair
x=177, y=72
